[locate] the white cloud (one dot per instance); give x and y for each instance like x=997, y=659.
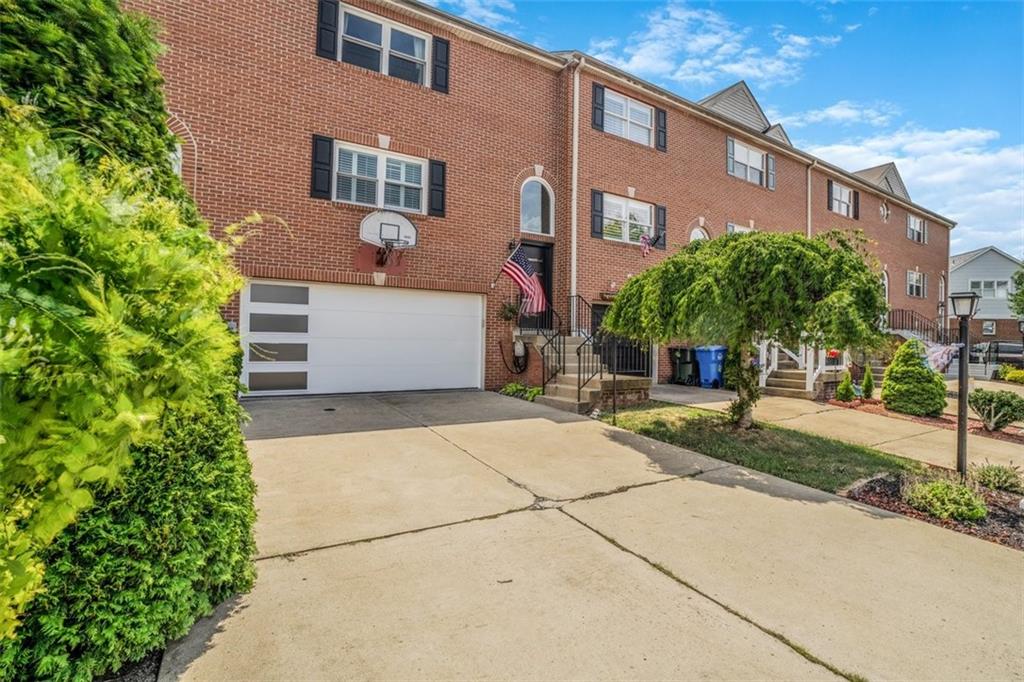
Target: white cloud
x=492, y=13
x=963, y=173
x=843, y=112
x=872, y=11
x=850, y=28
x=696, y=46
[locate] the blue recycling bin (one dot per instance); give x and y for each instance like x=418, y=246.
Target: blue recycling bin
x=710, y=359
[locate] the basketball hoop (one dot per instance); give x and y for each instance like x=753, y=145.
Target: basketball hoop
x=389, y=252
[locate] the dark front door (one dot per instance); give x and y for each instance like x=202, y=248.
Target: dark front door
x=539, y=256
x=624, y=356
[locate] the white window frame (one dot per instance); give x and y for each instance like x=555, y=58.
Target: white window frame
x=916, y=284
x=978, y=285
x=382, y=161
x=736, y=228
x=551, y=206
x=698, y=233
x=747, y=151
x=626, y=203
x=838, y=202
x=627, y=120
x=988, y=327
x=385, y=39
x=916, y=229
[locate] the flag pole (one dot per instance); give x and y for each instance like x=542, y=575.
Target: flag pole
x=514, y=244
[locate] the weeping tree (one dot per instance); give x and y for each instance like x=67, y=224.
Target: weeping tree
x=743, y=289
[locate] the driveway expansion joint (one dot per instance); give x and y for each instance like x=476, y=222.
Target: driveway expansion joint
x=797, y=648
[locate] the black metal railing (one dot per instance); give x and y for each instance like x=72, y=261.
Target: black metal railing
x=588, y=355
x=627, y=356
x=548, y=326
x=917, y=324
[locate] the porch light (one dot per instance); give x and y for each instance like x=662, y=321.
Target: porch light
x=1020, y=326
x=965, y=304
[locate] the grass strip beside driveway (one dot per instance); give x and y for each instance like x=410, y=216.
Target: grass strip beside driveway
x=821, y=463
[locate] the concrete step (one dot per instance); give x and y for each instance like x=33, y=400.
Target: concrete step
x=789, y=374
x=564, y=404
x=777, y=382
x=788, y=392
x=569, y=390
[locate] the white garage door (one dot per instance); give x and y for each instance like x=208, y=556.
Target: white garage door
x=323, y=338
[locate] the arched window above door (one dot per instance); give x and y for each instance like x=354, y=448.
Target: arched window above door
x=697, y=234
x=536, y=207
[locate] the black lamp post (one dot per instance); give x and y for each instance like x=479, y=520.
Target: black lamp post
x=965, y=305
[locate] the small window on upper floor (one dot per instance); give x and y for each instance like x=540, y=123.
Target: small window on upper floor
x=750, y=164
x=627, y=220
x=536, y=207
x=628, y=118
x=842, y=200
x=991, y=288
x=392, y=49
x=917, y=230
x=372, y=177
x=733, y=228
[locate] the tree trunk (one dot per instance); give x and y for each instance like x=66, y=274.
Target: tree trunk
x=744, y=394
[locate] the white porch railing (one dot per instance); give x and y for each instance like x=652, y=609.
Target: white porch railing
x=813, y=362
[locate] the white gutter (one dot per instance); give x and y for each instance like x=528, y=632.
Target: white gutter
x=575, y=181
x=812, y=166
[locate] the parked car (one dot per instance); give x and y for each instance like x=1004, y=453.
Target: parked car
x=998, y=352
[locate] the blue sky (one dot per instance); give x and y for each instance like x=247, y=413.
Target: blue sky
x=936, y=87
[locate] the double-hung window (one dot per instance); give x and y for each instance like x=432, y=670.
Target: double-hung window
x=377, y=178
x=385, y=47
x=842, y=200
x=628, y=118
x=916, y=229
x=748, y=163
x=917, y=284
x=991, y=288
x=626, y=220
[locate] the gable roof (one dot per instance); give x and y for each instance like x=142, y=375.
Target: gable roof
x=887, y=177
x=779, y=133
x=961, y=259
x=738, y=103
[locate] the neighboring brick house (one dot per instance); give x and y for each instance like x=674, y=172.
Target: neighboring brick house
x=319, y=113
x=988, y=271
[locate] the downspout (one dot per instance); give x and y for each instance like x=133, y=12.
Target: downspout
x=812, y=166
x=575, y=183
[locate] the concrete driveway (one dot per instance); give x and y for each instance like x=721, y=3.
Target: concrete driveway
x=468, y=535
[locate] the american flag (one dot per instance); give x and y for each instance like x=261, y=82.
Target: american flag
x=518, y=268
x=645, y=244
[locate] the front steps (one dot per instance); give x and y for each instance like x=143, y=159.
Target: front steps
x=789, y=381
x=561, y=392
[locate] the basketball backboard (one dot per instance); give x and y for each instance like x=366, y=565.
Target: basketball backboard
x=387, y=228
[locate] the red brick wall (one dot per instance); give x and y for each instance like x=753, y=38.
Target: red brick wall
x=247, y=92
x=251, y=92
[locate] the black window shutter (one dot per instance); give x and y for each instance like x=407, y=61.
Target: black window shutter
x=323, y=153
x=597, y=107
x=730, y=156
x=829, y=201
x=661, y=130
x=438, y=180
x=660, y=223
x=439, y=73
x=770, y=175
x=596, y=213
x=327, y=29
x=856, y=205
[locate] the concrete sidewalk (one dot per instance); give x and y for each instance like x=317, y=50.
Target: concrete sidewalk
x=472, y=536
x=913, y=440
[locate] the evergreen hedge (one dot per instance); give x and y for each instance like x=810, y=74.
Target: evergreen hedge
x=910, y=386
x=149, y=558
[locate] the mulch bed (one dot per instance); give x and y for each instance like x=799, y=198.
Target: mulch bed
x=1010, y=434
x=146, y=670
x=1004, y=524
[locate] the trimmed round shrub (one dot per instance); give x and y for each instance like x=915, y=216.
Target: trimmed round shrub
x=910, y=386
x=844, y=391
x=998, y=477
x=946, y=499
x=997, y=409
x=151, y=556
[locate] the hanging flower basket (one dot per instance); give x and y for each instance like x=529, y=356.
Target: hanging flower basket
x=508, y=311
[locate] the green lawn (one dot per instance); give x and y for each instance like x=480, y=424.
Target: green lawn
x=814, y=461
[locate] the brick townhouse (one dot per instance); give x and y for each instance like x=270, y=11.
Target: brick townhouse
x=351, y=122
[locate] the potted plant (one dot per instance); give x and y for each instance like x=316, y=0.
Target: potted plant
x=508, y=311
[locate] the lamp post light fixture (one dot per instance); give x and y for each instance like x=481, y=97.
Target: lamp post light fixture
x=965, y=306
